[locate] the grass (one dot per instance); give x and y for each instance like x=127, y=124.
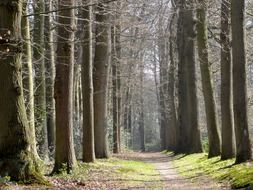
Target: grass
x=239, y=176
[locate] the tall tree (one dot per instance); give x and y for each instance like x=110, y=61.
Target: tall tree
x=243, y=147
x=87, y=88
x=227, y=148
x=40, y=80
x=100, y=79
x=206, y=79
x=17, y=158
x=172, y=135
x=115, y=92
x=28, y=82
x=189, y=134
x=141, y=114
x=64, y=150
x=50, y=74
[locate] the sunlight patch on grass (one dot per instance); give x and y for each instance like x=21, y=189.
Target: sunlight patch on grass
x=239, y=176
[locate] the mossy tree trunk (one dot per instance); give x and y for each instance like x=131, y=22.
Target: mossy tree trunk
x=17, y=159
x=100, y=80
x=227, y=147
x=206, y=79
x=64, y=150
x=87, y=87
x=243, y=145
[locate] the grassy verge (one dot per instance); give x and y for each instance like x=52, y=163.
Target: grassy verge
x=239, y=176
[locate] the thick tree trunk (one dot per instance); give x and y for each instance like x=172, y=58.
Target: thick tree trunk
x=210, y=108
x=227, y=150
x=243, y=147
x=100, y=80
x=40, y=92
x=87, y=89
x=50, y=69
x=64, y=150
x=17, y=158
x=189, y=134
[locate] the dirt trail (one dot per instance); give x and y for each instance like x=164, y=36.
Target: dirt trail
x=173, y=181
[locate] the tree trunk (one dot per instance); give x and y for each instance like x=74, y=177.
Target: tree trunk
x=100, y=80
x=189, y=134
x=40, y=92
x=64, y=150
x=227, y=150
x=50, y=69
x=29, y=80
x=141, y=116
x=87, y=89
x=17, y=158
x=211, y=117
x=243, y=147
x=115, y=93
x=172, y=140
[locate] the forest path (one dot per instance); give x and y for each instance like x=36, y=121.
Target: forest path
x=172, y=180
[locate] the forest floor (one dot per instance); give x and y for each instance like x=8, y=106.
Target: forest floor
x=127, y=171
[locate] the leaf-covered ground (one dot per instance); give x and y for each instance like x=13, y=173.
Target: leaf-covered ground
x=113, y=173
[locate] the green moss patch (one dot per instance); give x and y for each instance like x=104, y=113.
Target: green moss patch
x=194, y=165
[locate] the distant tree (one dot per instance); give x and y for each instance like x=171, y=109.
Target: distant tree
x=141, y=112
x=243, y=146
x=17, y=158
x=64, y=150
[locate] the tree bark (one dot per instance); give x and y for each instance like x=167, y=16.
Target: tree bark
x=189, y=134
x=227, y=150
x=29, y=81
x=50, y=70
x=100, y=80
x=243, y=146
x=206, y=79
x=17, y=158
x=172, y=140
x=40, y=80
x=64, y=150
x=87, y=88
x=115, y=93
